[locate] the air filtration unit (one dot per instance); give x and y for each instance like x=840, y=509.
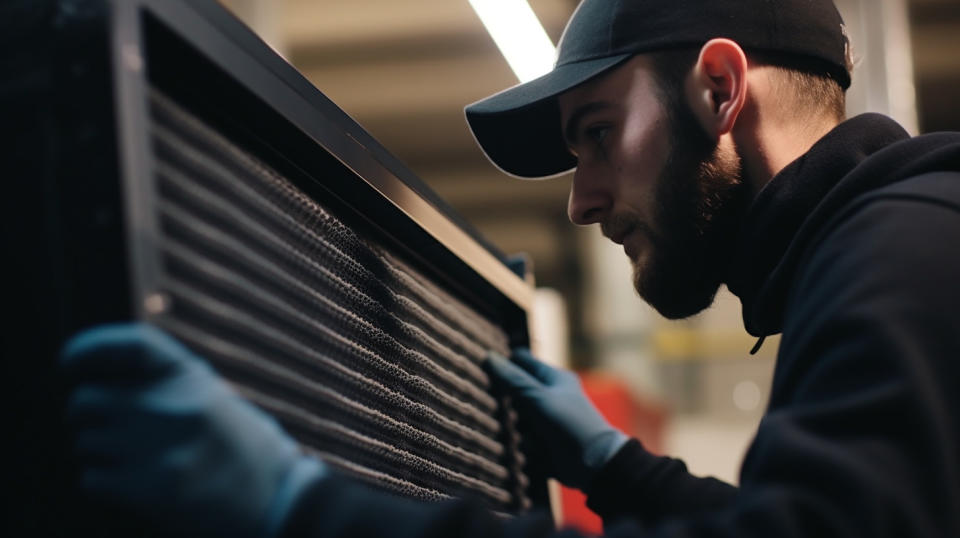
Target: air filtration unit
x=166, y=165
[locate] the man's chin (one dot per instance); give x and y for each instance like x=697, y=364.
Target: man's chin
x=673, y=295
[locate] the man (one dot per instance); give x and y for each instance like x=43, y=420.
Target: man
x=708, y=139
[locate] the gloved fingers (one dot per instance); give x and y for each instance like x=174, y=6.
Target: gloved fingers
x=110, y=427
x=105, y=448
x=507, y=375
x=125, y=485
x=305, y=472
x=122, y=354
x=537, y=368
x=94, y=406
x=131, y=413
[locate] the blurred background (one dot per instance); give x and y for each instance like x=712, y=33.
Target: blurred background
x=404, y=69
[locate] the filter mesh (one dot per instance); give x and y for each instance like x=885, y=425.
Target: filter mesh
x=368, y=363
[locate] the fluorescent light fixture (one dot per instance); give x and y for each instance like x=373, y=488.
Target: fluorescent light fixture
x=519, y=35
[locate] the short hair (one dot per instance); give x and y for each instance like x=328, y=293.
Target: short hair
x=807, y=85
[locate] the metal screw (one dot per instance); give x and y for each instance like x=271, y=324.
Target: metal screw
x=131, y=57
x=156, y=303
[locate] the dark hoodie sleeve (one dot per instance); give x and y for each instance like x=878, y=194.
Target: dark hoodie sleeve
x=648, y=488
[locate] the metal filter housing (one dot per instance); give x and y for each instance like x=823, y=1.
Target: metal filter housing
x=167, y=166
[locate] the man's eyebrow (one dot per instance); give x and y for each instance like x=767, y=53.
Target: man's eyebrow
x=573, y=122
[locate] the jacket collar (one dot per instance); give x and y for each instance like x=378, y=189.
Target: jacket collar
x=791, y=208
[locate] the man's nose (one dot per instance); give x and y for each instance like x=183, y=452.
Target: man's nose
x=589, y=199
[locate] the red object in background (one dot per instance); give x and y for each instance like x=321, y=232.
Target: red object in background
x=636, y=418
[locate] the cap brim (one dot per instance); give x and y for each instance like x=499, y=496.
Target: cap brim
x=519, y=128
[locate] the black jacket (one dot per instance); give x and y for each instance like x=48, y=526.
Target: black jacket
x=853, y=252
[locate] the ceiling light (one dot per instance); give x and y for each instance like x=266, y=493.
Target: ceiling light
x=519, y=35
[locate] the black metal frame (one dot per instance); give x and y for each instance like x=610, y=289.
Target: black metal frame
x=294, y=119
x=74, y=93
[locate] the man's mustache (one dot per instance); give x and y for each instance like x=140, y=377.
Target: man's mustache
x=617, y=226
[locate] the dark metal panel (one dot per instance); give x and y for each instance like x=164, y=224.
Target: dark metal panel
x=230, y=46
x=82, y=224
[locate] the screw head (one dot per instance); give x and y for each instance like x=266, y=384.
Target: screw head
x=156, y=303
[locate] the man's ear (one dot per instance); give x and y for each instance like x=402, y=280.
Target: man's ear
x=717, y=86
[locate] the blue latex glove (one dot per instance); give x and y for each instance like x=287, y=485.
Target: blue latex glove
x=564, y=427
x=159, y=433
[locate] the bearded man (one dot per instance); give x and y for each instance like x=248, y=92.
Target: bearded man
x=709, y=139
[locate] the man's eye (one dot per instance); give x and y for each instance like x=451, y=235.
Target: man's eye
x=598, y=134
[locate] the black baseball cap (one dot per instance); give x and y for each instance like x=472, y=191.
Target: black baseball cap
x=519, y=128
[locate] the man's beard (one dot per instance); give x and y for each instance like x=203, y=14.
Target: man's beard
x=699, y=200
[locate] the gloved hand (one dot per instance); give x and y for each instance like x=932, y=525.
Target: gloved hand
x=565, y=428
x=159, y=433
